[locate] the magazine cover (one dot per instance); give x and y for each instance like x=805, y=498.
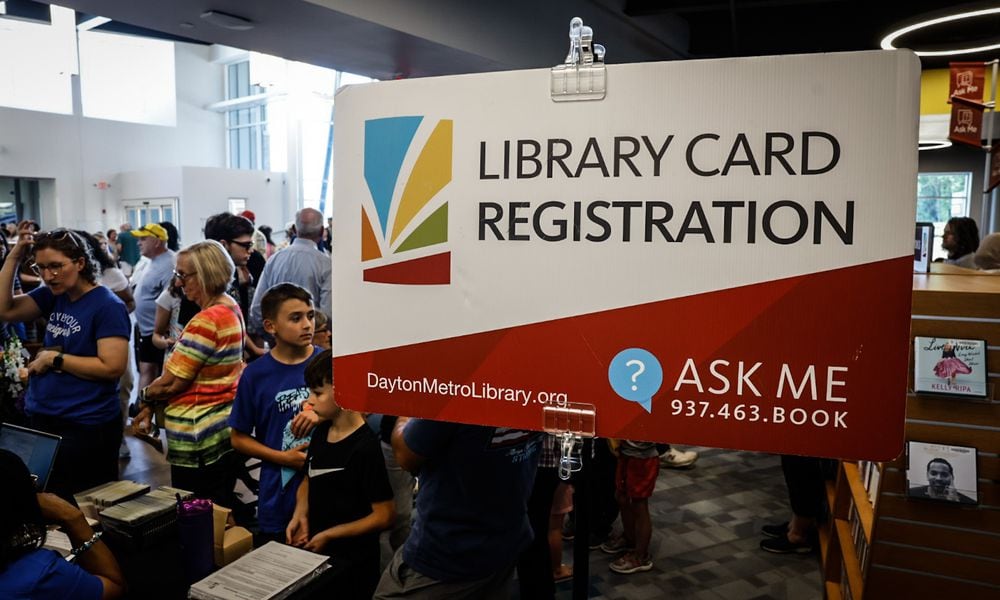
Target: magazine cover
x=949, y=366
x=939, y=472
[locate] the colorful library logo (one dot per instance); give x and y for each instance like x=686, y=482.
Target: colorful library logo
x=409, y=220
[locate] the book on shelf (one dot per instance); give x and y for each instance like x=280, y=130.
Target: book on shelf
x=876, y=475
x=942, y=473
x=949, y=366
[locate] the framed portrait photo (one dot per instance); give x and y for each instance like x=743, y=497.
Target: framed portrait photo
x=949, y=366
x=942, y=473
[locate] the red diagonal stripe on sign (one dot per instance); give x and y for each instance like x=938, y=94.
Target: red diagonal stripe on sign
x=856, y=317
x=428, y=270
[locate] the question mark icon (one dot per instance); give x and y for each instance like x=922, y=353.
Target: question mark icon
x=624, y=372
x=639, y=371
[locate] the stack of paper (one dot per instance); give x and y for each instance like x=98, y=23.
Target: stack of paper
x=270, y=572
x=111, y=493
x=141, y=509
x=58, y=541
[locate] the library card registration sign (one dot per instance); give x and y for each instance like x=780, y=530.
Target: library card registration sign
x=717, y=253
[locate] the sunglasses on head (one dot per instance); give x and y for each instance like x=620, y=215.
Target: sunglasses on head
x=61, y=234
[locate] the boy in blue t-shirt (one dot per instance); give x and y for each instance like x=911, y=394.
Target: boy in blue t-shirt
x=268, y=419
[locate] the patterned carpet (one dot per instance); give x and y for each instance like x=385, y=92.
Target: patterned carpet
x=705, y=537
x=705, y=533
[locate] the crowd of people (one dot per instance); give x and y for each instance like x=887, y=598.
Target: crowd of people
x=234, y=361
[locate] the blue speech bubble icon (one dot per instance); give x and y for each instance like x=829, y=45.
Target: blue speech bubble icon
x=636, y=375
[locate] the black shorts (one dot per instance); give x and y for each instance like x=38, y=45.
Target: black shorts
x=148, y=353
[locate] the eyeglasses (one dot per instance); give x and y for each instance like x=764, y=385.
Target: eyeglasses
x=53, y=268
x=182, y=276
x=245, y=245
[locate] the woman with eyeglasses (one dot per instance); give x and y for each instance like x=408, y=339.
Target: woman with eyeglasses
x=199, y=379
x=73, y=380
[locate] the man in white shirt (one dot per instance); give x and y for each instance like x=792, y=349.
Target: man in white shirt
x=300, y=263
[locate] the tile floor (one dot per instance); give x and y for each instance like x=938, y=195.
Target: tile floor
x=704, y=547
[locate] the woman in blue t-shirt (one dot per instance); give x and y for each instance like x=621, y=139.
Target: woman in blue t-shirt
x=73, y=380
x=26, y=569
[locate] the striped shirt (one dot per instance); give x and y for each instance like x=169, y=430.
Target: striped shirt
x=209, y=353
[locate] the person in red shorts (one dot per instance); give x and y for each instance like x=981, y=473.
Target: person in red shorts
x=635, y=478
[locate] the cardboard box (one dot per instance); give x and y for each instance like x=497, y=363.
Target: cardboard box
x=236, y=542
x=220, y=515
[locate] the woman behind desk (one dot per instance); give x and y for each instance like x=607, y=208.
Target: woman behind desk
x=26, y=570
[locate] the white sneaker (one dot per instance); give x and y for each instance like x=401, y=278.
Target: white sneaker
x=678, y=459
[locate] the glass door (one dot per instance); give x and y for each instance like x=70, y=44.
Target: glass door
x=153, y=210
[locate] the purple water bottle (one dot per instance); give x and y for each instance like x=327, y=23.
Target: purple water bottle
x=195, y=533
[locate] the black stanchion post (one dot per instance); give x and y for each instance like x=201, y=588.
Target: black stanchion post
x=581, y=508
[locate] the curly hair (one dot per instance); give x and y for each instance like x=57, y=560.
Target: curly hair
x=966, y=236
x=22, y=528
x=104, y=261
x=73, y=246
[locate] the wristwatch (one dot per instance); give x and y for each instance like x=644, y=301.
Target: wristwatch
x=57, y=362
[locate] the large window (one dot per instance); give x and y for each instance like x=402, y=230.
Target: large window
x=246, y=123
x=127, y=78
x=36, y=62
x=941, y=196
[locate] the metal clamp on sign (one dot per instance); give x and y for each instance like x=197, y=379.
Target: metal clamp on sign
x=570, y=424
x=583, y=75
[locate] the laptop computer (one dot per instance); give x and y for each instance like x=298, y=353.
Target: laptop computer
x=36, y=448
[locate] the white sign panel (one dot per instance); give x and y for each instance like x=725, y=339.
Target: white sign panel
x=712, y=236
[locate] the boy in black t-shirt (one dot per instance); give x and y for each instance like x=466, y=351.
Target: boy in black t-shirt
x=345, y=499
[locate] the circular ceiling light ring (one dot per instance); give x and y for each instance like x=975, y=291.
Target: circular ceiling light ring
x=934, y=144
x=887, y=41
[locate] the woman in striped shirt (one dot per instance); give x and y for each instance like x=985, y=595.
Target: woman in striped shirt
x=199, y=379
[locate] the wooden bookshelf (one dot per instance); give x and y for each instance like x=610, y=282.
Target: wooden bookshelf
x=860, y=495
x=925, y=549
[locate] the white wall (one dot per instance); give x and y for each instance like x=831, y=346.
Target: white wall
x=204, y=191
x=78, y=152
x=207, y=192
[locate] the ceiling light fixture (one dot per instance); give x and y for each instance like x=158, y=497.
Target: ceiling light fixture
x=934, y=144
x=889, y=39
x=227, y=21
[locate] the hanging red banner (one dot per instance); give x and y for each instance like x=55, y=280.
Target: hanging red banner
x=966, y=124
x=994, y=168
x=967, y=80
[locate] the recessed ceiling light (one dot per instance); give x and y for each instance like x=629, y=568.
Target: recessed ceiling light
x=887, y=41
x=227, y=21
x=934, y=144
